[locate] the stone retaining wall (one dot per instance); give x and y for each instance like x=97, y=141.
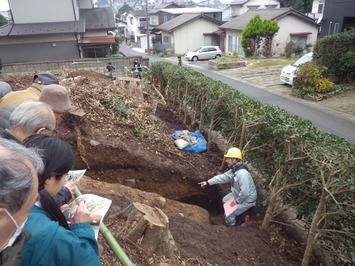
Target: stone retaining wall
x=94, y=64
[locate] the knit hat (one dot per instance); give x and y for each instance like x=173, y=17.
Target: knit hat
x=45, y=78
x=57, y=97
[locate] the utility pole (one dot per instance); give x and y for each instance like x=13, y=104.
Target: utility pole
x=147, y=18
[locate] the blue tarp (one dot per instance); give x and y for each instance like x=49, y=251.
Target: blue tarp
x=201, y=145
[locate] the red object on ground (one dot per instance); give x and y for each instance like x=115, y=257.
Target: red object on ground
x=246, y=219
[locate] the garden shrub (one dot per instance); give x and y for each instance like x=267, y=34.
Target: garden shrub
x=311, y=75
x=331, y=51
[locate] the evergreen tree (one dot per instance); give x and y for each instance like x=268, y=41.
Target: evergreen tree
x=3, y=20
x=257, y=36
x=123, y=9
x=303, y=6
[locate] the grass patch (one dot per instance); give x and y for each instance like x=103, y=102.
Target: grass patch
x=272, y=62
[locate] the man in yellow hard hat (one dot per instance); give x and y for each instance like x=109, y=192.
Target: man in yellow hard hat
x=242, y=184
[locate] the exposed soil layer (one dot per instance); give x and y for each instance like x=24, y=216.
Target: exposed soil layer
x=130, y=156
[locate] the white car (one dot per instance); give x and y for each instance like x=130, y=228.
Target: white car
x=288, y=72
x=204, y=52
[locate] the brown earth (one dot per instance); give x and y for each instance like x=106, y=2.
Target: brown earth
x=130, y=156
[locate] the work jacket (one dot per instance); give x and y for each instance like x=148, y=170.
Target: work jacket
x=242, y=184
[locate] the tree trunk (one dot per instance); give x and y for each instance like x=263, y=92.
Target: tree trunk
x=313, y=230
x=268, y=215
x=151, y=227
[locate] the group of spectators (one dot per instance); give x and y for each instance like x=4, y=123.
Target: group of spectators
x=33, y=169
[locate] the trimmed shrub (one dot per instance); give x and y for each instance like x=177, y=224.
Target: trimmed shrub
x=331, y=51
x=310, y=75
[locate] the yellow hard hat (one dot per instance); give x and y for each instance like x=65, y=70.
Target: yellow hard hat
x=234, y=153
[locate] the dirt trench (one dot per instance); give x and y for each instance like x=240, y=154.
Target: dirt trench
x=142, y=170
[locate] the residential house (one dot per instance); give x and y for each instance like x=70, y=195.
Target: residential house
x=52, y=30
x=317, y=10
x=294, y=26
x=155, y=16
x=170, y=13
x=239, y=7
x=188, y=31
x=136, y=23
x=338, y=16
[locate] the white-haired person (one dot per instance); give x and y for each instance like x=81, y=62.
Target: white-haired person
x=18, y=193
x=31, y=118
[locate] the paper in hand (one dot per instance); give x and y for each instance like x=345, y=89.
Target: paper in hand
x=74, y=176
x=230, y=206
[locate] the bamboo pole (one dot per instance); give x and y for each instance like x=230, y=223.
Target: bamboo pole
x=110, y=239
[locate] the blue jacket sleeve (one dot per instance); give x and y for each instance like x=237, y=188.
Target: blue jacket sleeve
x=77, y=246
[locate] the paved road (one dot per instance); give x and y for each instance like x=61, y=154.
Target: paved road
x=324, y=118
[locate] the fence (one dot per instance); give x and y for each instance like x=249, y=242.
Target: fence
x=94, y=64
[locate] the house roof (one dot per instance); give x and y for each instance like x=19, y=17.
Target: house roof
x=190, y=10
x=42, y=28
x=238, y=2
x=157, y=8
x=241, y=21
x=183, y=19
x=98, y=18
x=138, y=13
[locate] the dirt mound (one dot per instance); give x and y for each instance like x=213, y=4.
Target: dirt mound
x=126, y=142
x=17, y=82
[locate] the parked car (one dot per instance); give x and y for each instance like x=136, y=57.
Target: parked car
x=204, y=52
x=288, y=72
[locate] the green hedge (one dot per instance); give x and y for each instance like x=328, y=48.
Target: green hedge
x=310, y=161
x=336, y=52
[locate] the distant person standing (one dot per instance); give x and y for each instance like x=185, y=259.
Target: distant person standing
x=110, y=68
x=137, y=69
x=180, y=61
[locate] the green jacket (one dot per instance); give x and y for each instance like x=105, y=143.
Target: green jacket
x=12, y=256
x=52, y=244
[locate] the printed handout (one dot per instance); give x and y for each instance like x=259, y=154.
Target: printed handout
x=98, y=207
x=74, y=176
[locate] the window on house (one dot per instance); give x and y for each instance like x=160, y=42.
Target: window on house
x=153, y=20
x=336, y=27
x=253, y=7
x=300, y=39
x=320, y=7
x=270, y=6
x=232, y=44
x=330, y=27
x=165, y=18
x=131, y=21
x=94, y=51
x=167, y=39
